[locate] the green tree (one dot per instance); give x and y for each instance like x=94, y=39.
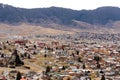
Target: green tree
x=18, y=76
x=103, y=77
x=97, y=58
x=17, y=59
x=48, y=69
x=84, y=66
x=98, y=66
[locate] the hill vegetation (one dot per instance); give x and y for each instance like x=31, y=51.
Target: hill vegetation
x=62, y=16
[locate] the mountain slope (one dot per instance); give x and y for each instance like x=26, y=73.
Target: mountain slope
x=100, y=15
x=62, y=16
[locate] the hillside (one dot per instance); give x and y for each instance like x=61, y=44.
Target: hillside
x=29, y=30
x=62, y=16
x=56, y=20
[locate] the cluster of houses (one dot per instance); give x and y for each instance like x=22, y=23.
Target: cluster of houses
x=72, y=59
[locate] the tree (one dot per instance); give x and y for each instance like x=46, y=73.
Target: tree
x=103, y=77
x=63, y=67
x=98, y=66
x=77, y=52
x=29, y=56
x=101, y=72
x=79, y=59
x=97, y=58
x=17, y=59
x=45, y=55
x=18, y=76
x=84, y=66
x=48, y=69
x=35, y=46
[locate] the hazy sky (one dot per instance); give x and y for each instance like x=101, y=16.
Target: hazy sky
x=73, y=4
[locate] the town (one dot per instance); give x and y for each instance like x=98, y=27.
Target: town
x=80, y=56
